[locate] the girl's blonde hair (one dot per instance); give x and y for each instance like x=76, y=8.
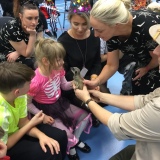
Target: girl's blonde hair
x=111, y=12
x=50, y=49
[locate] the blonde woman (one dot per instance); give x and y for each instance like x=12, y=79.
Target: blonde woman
x=128, y=32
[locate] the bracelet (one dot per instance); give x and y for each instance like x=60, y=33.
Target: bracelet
x=87, y=102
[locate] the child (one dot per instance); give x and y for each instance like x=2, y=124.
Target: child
x=24, y=141
x=45, y=94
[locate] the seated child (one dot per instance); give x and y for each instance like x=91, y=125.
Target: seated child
x=45, y=94
x=25, y=141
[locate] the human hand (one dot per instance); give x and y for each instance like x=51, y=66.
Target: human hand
x=48, y=120
x=83, y=95
x=91, y=84
x=30, y=30
x=37, y=119
x=51, y=143
x=95, y=95
x=140, y=73
x=93, y=77
x=13, y=56
x=3, y=149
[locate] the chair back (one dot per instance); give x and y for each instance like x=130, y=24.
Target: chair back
x=4, y=20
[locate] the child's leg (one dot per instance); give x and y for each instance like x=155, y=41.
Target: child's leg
x=28, y=148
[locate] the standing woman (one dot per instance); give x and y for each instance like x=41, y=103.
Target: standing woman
x=128, y=32
x=82, y=49
x=17, y=37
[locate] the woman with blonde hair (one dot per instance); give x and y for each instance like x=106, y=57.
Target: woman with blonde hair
x=127, y=31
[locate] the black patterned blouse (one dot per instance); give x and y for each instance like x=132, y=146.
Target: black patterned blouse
x=138, y=46
x=12, y=31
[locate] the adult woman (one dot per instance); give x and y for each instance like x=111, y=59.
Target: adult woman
x=128, y=32
x=18, y=35
x=140, y=123
x=82, y=50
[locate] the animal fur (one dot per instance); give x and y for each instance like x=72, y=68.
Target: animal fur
x=78, y=80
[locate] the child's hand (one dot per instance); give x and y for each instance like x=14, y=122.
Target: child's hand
x=51, y=143
x=38, y=118
x=48, y=120
x=3, y=149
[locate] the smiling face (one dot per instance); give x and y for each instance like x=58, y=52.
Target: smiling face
x=102, y=30
x=79, y=25
x=29, y=18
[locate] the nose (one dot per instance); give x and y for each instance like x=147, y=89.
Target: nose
x=80, y=28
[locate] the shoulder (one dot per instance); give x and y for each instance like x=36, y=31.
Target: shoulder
x=64, y=36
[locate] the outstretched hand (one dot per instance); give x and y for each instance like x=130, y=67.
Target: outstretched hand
x=83, y=95
x=91, y=84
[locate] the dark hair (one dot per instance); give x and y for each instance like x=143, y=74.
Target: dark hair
x=14, y=75
x=20, y=5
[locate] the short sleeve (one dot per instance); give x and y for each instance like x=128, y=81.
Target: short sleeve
x=13, y=31
x=34, y=88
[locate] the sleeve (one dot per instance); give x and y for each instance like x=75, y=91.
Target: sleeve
x=12, y=31
x=22, y=101
x=140, y=124
x=96, y=64
x=112, y=44
x=4, y=124
x=63, y=41
x=34, y=88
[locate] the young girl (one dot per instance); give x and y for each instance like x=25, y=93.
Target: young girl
x=45, y=94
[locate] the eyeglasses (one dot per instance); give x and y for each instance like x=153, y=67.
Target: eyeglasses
x=24, y=2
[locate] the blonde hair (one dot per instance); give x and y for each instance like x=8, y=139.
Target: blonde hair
x=111, y=11
x=154, y=6
x=84, y=15
x=50, y=49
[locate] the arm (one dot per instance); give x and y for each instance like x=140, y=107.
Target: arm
x=109, y=69
x=27, y=127
x=3, y=149
x=152, y=64
x=34, y=110
x=66, y=85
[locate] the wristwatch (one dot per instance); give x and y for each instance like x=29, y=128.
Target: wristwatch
x=87, y=102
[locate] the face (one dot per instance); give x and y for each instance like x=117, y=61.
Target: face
x=29, y=18
x=102, y=30
x=58, y=64
x=157, y=52
x=78, y=25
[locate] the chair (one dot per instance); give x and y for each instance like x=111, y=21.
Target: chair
x=66, y=9
x=4, y=20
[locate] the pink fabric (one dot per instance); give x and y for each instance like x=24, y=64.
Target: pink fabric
x=47, y=90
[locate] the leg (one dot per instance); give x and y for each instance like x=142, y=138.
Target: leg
x=28, y=148
x=124, y=154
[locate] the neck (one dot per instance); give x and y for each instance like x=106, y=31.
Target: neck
x=9, y=98
x=75, y=36
x=44, y=71
x=125, y=30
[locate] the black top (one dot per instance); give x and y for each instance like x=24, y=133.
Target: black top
x=78, y=56
x=140, y=42
x=12, y=31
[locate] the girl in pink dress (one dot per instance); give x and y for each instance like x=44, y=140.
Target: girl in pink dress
x=45, y=94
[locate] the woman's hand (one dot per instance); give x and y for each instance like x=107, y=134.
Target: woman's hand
x=30, y=31
x=48, y=120
x=92, y=84
x=140, y=73
x=51, y=143
x=13, y=56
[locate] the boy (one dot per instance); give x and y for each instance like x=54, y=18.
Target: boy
x=23, y=139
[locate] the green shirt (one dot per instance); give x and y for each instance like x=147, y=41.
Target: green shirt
x=9, y=115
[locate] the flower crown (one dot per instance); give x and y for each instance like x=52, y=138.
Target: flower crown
x=78, y=6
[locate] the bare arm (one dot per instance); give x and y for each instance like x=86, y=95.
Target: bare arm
x=109, y=69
